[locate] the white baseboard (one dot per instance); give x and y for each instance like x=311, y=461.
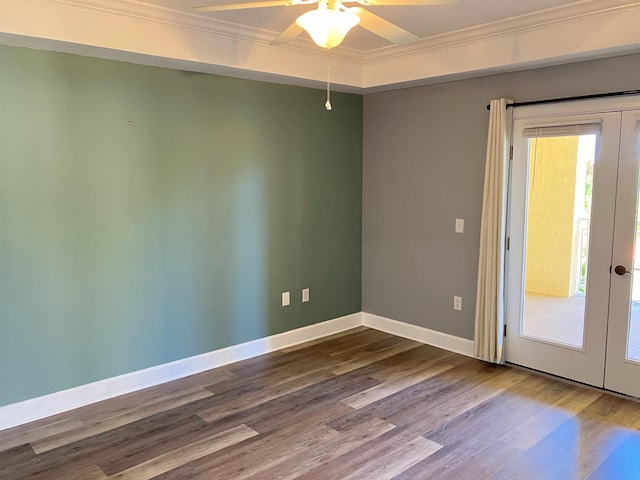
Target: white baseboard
x=445, y=341
x=58, y=402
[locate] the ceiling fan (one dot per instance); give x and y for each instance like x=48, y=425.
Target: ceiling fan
x=329, y=23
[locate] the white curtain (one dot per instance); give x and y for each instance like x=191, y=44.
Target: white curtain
x=489, y=324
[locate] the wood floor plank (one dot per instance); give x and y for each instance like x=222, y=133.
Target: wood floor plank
x=135, y=444
x=623, y=463
x=499, y=414
x=396, y=460
x=91, y=472
x=188, y=453
x=408, y=361
x=575, y=447
x=537, y=427
x=363, y=359
x=271, y=373
x=257, y=398
x=468, y=395
x=281, y=362
x=122, y=446
x=160, y=393
x=324, y=340
x=62, y=470
x=280, y=373
x=557, y=448
x=13, y=455
x=299, y=404
x=626, y=413
x=357, y=342
x=250, y=456
x=465, y=435
x=378, y=392
x=483, y=464
x=404, y=407
x=18, y=436
x=268, y=454
x=129, y=416
x=601, y=436
x=598, y=441
x=296, y=405
x=292, y=466
x=155, y=436
x=358, y=458
x=361, y=404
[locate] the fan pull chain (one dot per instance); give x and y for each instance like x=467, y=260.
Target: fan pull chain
x=327, y=104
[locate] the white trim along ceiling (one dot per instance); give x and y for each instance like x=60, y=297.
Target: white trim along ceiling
x=152, y=34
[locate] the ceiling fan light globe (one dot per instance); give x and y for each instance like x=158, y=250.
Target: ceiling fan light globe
x=328, y=27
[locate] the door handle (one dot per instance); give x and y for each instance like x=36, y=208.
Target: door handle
x=621, y=270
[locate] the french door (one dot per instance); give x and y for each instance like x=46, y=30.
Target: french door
x=572, y=291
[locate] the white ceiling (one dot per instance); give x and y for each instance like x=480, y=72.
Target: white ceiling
x=423, y=21
x=464, y=39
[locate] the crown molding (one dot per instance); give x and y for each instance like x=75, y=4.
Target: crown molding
x=556, y=16
x=155, y=14
x=154, y=35
x=561, y=35
x=196, y=23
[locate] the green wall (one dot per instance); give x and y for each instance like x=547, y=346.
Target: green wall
x=148, y=214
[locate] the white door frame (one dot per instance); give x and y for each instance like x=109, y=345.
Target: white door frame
x=622, y=374
x=586, y=364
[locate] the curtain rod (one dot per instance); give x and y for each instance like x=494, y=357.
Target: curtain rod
x=567, y=99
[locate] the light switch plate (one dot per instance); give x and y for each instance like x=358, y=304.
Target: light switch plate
x=305, y=295
x=459, y=225
x=286, y=299
x=457, y=303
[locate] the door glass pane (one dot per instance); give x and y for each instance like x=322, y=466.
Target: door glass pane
x=557, y=247
x=633, y=332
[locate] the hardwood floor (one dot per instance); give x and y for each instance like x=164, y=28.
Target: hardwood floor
x=358, y=405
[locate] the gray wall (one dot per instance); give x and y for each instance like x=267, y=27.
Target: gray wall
x=424, y=154
x=148, y=215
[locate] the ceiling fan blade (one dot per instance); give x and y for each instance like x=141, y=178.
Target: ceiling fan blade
x=405, y=2
x=242, y=6
x=289, y=34
x=383, y=28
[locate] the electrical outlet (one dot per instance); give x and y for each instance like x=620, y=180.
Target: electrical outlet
x=457, y=303
x=286, y=299
x=305, y=295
